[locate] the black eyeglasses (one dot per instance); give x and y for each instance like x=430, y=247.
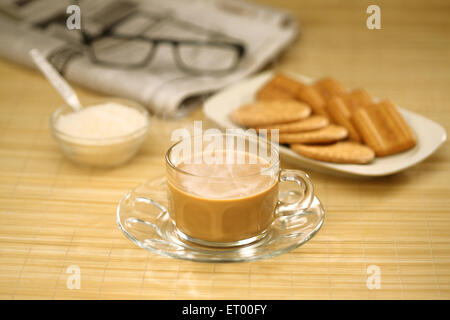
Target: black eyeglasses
x=191, y=56
x=209, y=56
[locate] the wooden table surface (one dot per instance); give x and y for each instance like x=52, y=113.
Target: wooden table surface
x=54, y=214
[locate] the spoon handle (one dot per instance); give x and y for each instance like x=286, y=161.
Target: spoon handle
x=56, y=80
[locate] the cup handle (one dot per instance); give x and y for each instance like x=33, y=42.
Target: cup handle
x=140, y=218
x=148, y=215
x=306, y=188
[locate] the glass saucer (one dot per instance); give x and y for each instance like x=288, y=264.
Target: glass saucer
x=143, y=218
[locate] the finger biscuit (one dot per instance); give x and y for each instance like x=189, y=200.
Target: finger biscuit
x=308, y=124
x=328, y=134
x=383, y=129
x=286, y=83
x=340, y=114
x=301, y=91
x=358, y=98
x=263, y=113
x=329, y=87
x=312, y=97
x=270, y=92
x=340, y=152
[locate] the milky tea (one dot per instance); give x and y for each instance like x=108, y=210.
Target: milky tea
x=222, y=201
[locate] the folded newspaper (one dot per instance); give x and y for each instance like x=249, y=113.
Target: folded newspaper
x=164, y=54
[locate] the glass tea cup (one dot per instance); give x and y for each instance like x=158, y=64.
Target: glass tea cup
x=223, y=188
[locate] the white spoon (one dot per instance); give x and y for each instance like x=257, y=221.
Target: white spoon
x=58, y=82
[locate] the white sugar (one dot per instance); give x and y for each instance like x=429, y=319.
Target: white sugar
x=103, y=121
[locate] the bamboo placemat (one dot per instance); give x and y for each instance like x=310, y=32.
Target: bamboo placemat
x=55, y=215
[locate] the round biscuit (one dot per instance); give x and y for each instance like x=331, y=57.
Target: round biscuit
x=340, y=152
x=311, y=123
x=263, y=113
x=328, y=134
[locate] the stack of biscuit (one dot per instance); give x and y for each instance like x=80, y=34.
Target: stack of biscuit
x=324, y=121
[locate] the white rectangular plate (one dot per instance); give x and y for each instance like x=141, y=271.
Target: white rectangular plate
x=429, y=134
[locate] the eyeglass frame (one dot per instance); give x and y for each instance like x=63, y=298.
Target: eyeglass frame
x=175, y=43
